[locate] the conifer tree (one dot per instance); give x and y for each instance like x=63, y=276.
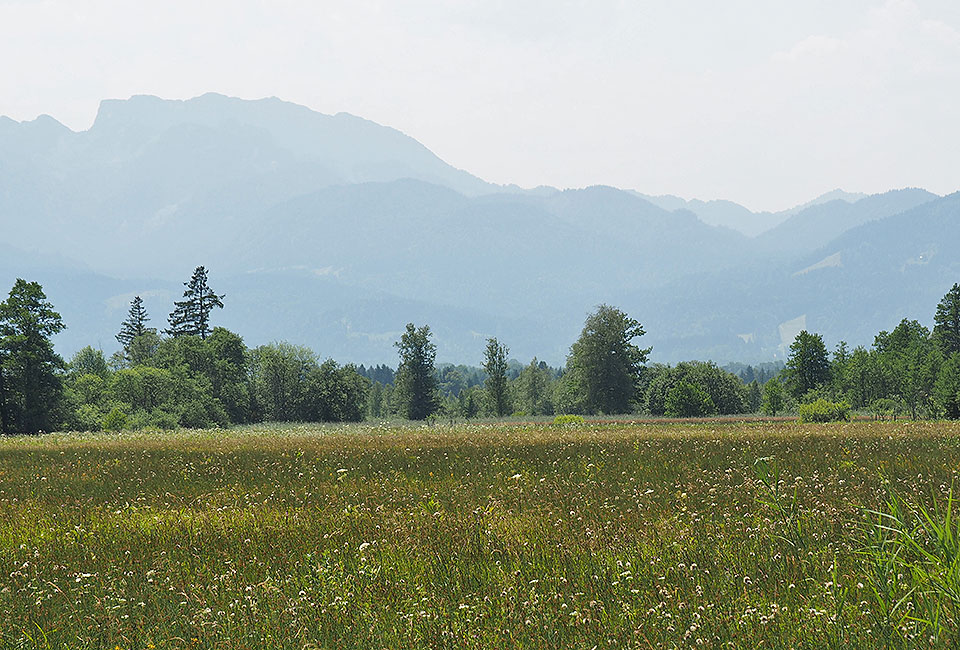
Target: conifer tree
x=136, y=323
x=947, y=319
x=191, y=316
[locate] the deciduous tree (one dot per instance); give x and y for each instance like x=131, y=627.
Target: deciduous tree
x=496, y=385
x=772, y=397
x=416, y=383
x=807, y=366
x=606, y=362
x=30, y=384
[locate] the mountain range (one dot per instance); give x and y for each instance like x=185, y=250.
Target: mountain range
x=334, y=232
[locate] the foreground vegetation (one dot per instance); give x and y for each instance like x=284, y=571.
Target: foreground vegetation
x=718, y=535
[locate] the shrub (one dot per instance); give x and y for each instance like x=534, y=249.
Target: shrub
x=202, y=413
x=115, y=420
x=824, y=411
x=87, y=417
x=688, y=400
x=568, y=419
x=885, y=407
x=156, y=419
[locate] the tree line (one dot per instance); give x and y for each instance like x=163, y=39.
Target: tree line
x=193, y=374
x=909, y=371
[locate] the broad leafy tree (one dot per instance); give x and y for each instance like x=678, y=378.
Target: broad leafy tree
x=808, y=367
x=88, y=361
x=496, y=385
x=686, y=400
x=191, y=316
x=416, y=383
x=863, y=378
x=773, y=401
x=726, y=391
x=280, y=372
x=136, y=323
x=335, y=393
x=605, y=361
x=946, y=328
x=30, y=385
x=910, y=362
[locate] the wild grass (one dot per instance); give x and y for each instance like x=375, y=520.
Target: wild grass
x=600, y=535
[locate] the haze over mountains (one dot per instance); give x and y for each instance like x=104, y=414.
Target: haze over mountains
x=334, y=232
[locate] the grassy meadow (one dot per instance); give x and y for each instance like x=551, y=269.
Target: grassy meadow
x=607, y=535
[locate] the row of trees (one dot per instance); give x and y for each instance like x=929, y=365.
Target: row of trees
x=197, y=375
x=910, y=370
x=601, y=377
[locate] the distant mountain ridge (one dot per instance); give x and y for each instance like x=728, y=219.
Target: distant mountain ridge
x=736, y=217
x=333, y=231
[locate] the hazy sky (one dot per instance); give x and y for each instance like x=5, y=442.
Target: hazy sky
x=765, y=102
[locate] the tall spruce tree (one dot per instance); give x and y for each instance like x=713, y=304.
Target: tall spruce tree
x=191, y=316
x=136, y=323
x=946, y=330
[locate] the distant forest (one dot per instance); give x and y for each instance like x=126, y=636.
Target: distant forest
x=194, y=374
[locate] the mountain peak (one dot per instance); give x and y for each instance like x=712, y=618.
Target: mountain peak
x=353, y=148
x=838, y=195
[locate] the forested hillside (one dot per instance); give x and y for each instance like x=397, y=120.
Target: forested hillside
x=329, y=231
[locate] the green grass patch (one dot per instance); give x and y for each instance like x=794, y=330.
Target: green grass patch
x=615, y=535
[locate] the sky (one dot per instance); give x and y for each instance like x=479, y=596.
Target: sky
x=765, y=102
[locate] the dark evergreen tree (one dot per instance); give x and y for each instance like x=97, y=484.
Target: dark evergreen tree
x=947, y=388
x=416, y=383
x=136, y=323
x=495, y=365
x=754, y=396
x=30, y=385
x=946, y=330
x=191, y=316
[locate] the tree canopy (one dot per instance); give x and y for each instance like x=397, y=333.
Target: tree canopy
x=606, y=362
x=30, y=386
x=495, y=365
x=808, y=366
x=416, y=383
x=946, y=330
